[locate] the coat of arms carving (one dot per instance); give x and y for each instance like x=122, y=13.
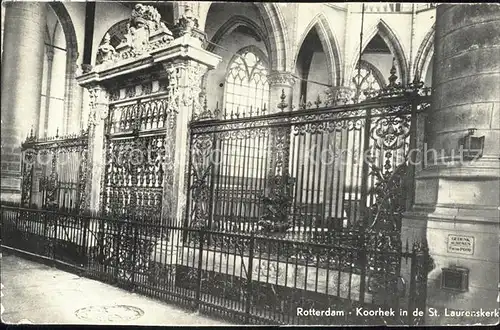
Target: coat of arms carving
x=145, y=31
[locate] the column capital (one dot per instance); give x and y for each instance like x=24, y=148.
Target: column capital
x=281, y=78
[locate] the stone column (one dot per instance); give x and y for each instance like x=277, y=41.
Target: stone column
x=184, y=91
x=185, y=63
x=96, y=150
x=22, y=71
x=71, y=108
x=457, y=201
x=50, y=60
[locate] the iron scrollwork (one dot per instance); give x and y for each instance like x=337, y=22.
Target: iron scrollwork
x=28, y=167
x=201, y=170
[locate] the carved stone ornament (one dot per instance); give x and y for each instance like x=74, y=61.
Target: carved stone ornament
x=145, y=32
x=105, y=52
x=187, y=23
x=277, y=78
x=174, y=75
x=188, y=94
x=98, y=104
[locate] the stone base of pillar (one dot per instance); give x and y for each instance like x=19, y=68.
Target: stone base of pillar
x=13, y=196
x=456, y=211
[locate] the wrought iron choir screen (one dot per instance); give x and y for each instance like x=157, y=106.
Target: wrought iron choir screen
x=291, y=179
x=315, y=170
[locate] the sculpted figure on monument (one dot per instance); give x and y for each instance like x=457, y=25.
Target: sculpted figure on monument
x=106, y=52
x=144, y=21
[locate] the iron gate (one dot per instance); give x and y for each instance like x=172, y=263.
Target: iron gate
x=138, y=141
x=340, y=176
x=307, y=172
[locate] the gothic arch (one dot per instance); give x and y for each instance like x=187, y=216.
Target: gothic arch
x=381, y=80
x=424, y=54
x=67, y=26
x=253, y=49
x=276, y=33
x=229, y=26
x=71, y=57
x=232, y=24
x=394, y=45
x=330, y=46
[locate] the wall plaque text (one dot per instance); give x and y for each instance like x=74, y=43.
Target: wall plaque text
x=461, y=244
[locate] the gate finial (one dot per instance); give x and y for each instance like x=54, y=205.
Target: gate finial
x=393, y=77
x=282, y=105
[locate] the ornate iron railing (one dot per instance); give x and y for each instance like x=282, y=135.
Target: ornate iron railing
x=250, y=278
x=311, y=169
x=54, y=172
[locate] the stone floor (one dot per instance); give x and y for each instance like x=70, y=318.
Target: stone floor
x=39, y=294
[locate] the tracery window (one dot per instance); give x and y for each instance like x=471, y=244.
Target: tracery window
x=246, y=82
x=368, y=78
x=246, y=89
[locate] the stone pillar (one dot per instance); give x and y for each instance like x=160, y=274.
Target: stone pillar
x=184, y=89
x=279, y=83
x=71, y=109
x=96, y=150
x=22, y=71
x=77, y=122
x=50, y=60
x=184, y=75
x=457, y=201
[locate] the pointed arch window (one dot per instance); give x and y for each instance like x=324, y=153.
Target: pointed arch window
x=368, y=78
x=246, y=82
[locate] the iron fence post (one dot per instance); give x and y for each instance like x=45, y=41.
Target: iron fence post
x=117, y=235
x=100, y=244
x=84, y=222
x=187, y=210
x=364, y=265
x=410, y=178
x=54, y=242
x=200, y=265
x=249, y=296
x=411, y=299
x=135, y=250
x=365, y=170
x=213, y=174
x=366, y=214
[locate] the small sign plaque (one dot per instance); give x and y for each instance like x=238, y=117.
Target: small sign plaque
x=461, y=244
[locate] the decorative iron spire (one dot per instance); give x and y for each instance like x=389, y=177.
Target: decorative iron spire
x=282, y=105
x=317, y=102
x=393, y=77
